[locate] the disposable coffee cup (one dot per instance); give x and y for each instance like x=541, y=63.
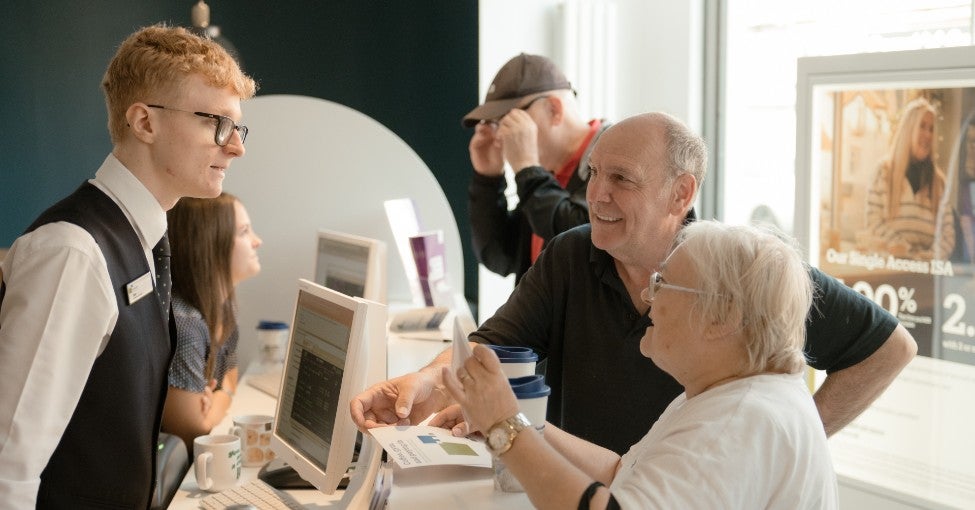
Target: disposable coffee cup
x=532, y=394
x=272, y=340
x=217, y=461
x=515, y=361
x=254, y=431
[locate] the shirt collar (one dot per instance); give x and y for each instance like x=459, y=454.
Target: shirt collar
x=139, y=205
x=600, y=260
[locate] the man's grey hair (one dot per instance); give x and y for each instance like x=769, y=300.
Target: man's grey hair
x=686, y=151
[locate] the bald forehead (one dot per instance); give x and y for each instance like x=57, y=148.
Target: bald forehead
x=636, y=142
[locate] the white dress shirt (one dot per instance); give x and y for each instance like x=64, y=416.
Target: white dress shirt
x=57, y=316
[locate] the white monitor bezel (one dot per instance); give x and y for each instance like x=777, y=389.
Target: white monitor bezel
x=375, y=288
x=365, y=364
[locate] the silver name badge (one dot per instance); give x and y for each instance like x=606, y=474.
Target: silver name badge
x=139, y=288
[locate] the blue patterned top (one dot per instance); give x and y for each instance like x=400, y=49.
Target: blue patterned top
x=193, y=348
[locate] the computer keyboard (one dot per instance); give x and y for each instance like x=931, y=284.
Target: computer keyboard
x=255, y=492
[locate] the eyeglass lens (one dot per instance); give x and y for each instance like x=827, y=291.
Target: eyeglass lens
x=225, y=128
x=656, y=279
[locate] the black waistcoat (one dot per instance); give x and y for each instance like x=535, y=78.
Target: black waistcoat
x=106, y=456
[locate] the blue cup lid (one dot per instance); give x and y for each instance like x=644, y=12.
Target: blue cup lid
x=530, y=386
x=272, y=325
x=513, y=353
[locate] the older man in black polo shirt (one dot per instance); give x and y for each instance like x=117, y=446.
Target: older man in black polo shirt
x=579, y=306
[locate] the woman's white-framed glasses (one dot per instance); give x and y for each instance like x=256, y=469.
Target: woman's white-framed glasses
x=225, y=125
x=657, y=282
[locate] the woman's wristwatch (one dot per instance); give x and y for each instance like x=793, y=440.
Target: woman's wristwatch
x=502, y=434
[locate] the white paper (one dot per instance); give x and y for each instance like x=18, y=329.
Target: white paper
x=462, y=351
x=416, y=446
x=463, y=326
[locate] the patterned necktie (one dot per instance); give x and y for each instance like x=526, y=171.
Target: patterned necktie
x=164, y=280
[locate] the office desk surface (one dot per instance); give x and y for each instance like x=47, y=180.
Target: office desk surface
x=248, y=400
x=418, y=488
x=435, y=487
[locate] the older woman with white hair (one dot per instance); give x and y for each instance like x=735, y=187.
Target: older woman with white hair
x=728, y=308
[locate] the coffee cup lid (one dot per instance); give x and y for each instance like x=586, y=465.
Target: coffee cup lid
x=272, y=325
x=514, y=353
x=530, y=386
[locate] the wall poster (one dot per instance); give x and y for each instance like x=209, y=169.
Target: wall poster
x=885, y=202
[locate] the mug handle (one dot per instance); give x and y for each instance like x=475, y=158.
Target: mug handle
x=200, y=467
x=236, y=430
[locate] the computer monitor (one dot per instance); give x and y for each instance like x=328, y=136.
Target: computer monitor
x=351, y=264
x=336, y=349
x=404, y=221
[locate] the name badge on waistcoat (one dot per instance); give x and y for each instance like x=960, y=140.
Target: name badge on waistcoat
x=139, y=288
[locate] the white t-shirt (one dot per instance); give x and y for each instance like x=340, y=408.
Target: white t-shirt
x=753, y=443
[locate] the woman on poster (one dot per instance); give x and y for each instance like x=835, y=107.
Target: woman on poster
x=905, y=210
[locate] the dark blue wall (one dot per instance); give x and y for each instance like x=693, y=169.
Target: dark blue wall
x=411, y=65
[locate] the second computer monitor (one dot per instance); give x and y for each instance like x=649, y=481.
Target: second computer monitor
x=351, y=264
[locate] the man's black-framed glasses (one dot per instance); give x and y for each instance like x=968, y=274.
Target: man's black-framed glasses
x=225, y=125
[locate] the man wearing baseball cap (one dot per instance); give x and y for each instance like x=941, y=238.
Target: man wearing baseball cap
x=531, y=120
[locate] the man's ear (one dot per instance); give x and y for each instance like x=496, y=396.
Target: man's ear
x=556, y=109
x=140, y=122
x=684, y=190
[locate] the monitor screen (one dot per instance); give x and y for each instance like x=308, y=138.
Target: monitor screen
x=404, y=221
x=351, y=264
x=336, y=349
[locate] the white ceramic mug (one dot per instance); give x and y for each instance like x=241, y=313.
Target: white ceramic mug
x=254, y=431
x=217, y=461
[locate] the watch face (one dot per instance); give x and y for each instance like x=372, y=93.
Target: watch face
x=497, y=438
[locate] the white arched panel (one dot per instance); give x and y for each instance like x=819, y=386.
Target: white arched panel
x=311, y=164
